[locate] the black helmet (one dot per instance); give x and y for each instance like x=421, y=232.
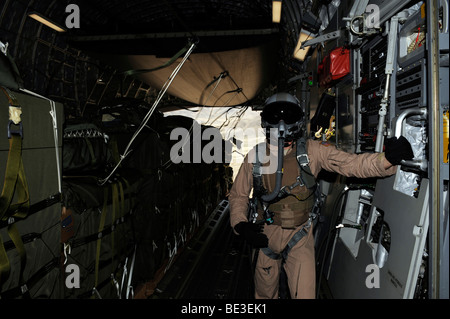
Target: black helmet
x=286, y=107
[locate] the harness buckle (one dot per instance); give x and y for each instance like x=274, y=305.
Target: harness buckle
x=303, y=160
x=23, y=289
x=19, y=131
x=268, y=216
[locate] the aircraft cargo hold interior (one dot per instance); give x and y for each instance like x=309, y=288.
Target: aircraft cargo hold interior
x=134, y=136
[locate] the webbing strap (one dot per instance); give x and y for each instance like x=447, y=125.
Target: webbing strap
x=130, y=198
x=95, y=290
x=100, y=228
x=258, y=187
x=122, y=200
x=306, y=175
x=34, y=208
x=14, y=234
x=292, y=242
x=256, y=164
x=32, y=281
x=115, y=206
x=114, y=149
x=295, y=239
x=11, y=174
x=11, y=97
x=5, y=267
x=269, y=253
x=14, y=184
x=91, y=151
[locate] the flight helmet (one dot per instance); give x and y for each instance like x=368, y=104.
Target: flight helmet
x=286, y=107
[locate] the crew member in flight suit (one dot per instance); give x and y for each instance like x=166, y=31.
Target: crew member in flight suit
x=291, y=214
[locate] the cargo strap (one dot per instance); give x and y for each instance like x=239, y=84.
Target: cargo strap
x=118, y=206
x=294, y=240
x=33, y=209
x=16, y=292
x=109, y=229
x=95, y=291
x=15, y=184
x=100, y=229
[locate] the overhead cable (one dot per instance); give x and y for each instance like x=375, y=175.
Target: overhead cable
x=150, y=112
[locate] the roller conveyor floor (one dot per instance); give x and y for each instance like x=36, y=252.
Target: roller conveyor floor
x=214, y=265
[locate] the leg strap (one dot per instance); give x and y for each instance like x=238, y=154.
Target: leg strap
x=294, y=240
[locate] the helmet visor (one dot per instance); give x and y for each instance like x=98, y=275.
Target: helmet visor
x=290, y=113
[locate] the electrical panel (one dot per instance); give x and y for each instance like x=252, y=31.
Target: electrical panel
x=412, y=74
x=371, y=90
x=411, y=81
x=388, y=225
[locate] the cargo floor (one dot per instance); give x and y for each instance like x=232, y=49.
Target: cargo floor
x=215, y=264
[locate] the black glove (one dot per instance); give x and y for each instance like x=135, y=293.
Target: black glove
x=252, y=233
x=398, y=149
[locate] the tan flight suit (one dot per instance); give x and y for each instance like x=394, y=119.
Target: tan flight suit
x=293, y=213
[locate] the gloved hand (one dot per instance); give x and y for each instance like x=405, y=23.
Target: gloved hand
x=398, y=149
x=252, y=233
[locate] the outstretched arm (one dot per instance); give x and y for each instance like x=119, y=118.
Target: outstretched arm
x=365, y=165
x=360, y=165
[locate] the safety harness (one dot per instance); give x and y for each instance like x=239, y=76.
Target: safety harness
x=305, y=178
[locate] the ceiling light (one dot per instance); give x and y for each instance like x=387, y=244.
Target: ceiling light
x=300, y=53
x=276, y=11
x=38, y=17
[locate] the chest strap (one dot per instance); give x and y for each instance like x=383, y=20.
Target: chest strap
x=306, y=177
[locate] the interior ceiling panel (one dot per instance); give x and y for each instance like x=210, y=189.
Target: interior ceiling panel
x=213, y=79
x=233, y=37
x=192, y=18
x=174, y=15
